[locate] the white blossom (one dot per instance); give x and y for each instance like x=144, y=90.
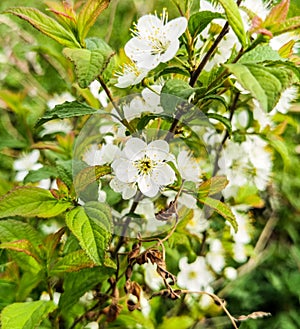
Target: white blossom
x=188, y=167
x=155, y=40
x=194, y=276
x=95, y=89
x=56, y=126
x=26, y=163
x=131, y=75
x=215, y=256
x=60, y=99
x=145, y=165
x=152, y=278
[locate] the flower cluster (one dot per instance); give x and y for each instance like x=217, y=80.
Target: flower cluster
x=155, y=41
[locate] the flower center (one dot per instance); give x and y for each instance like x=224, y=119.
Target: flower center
x=159, y=46
x=145, y=165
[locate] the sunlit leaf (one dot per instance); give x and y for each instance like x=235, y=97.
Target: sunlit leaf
x=91, y=225
x=198, y=22
x=46, y=25
x=88, y=15
x=235, y=20
x=91, y=62
x=26, y=315
x=221, y=208
x=30, y=202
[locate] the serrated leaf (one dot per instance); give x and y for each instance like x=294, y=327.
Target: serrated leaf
x=91, y=62
x=13, y=230
x=221, y=208
x=212, y=186
x=39, y=174
x=278, y=13
x=24, y=246
x=77, y=283
x=260, y=54
x=264, y=83
x=46, y=25
x=91, y=225
x=89, y=175
x=31, y=202
x=88, y=15
x=226, y=122
x=64, y=169
x=26, y=315
x=66, y=110
x=73, y=262
x=235, y=20
x=287, y=25
x=198, y=22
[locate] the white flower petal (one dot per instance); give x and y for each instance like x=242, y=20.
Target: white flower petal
x=126, y=172
x=158, y=150
x=163, y=175
x=134, y=148
x=147, y=186
x=175, y=28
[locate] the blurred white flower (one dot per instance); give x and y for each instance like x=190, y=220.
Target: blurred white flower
x=152, y=278
x=246, y=163
x=188, y=167
x=215, y=256
x=131, y=75
x=95, y=89
x=87, y=298
x=100, y=156
x=155, y=40
x=145, y=165
x=194, y=276
x=134, y=109
x=60, y=99
x=26, y=163
x=198, y=223
x=230, y=273
x=92, y=325
x=152, y=99
x=286, y=99
x=56, y=126
x=46, y=297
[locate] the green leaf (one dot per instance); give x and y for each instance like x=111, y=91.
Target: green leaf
x=66, y=110
x=173, y=93
x=221, y=208
x=260, y=54
x=88, y=15
x=287, y=25
x=30, y=202
x=26, y=315
x=235, y=20
x=91, y=62
x=212, y=186
x=89, y=175
x=92, y=227
x=277, y=14
x=226, y=122
x=13, y=231
x=39, y=174
x=46, y=25
x=264, y=83
x=64, y=169
x=198, y=22
x=73, y=262
x=77, y=283
x=21, y=246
